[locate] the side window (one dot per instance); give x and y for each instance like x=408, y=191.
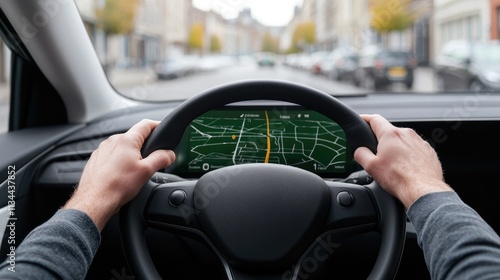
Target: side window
x=461, y=53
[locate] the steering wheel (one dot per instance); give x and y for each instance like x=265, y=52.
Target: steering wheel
x=260, y=219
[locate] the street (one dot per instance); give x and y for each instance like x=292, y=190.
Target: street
x=147, y=87
x=184, y=87
x=142, y=84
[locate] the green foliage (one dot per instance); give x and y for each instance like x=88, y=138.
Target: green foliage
x=390, y=15
x=195, y=40
x=215, y=44
x=117, y=16
x=304, y=34
x=270, y=43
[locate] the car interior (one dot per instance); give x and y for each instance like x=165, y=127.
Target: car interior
x=216, y=214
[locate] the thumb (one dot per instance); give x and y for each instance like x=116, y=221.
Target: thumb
x=364, y=157
x=159, y=159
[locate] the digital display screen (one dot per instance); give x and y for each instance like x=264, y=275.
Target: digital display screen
x=283, y=135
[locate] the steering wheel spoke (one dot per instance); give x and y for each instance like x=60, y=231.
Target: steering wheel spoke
x=171, y=204
x=351, y=208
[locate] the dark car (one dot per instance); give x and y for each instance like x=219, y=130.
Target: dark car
x=463, y=65
x=379, y=67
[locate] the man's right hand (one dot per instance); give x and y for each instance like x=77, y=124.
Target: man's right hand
x=405, y=165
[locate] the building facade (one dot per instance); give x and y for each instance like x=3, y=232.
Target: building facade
x=495, y=19
x=459, y=19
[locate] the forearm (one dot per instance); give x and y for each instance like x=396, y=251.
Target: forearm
x=61, y=248
x=457, y=243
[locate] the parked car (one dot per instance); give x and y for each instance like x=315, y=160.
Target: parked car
x=341, y=64
x=463, y=65
x=379, y=67
x=266, y=59
x=316, y=59
x=303, y=62
x=174, y=67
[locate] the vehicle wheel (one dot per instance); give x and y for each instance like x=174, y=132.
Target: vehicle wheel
x=334, y=75
x=369, y=83
x=439, y=82
x=355, y=81
x=249, y=242
x=476, y=86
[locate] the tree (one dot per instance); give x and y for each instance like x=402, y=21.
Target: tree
x=390, y=15
x=303, y=35
x=117, y=16
x=215, y=44
x=195, y=40
x=270, y=43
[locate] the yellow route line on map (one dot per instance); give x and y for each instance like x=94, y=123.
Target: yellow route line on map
x=268, y=152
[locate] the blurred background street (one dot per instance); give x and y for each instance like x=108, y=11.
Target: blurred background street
x=170, y=50
x=143, y=83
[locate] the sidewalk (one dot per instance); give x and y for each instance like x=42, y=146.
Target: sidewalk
x=127, y=78
x=4, y=93
x=119, y=78
x=424, y=80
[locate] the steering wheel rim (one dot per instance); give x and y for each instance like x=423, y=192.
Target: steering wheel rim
x=391, y=217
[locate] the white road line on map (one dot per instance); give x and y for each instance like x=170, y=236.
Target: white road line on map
x=283, y=148
x=315, y=143
x=239, y=138
x=202, y=134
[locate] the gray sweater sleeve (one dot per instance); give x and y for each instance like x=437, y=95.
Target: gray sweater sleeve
x=61, y=248
x=457, y=243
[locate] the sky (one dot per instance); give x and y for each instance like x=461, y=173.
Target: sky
x=267, y=12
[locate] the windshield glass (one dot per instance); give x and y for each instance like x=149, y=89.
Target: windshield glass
x=487, y=54
x=170, y=50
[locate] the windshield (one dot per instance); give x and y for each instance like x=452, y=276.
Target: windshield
x=487, y=54
x=171, y=50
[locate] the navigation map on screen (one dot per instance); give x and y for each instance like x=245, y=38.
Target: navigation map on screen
x=300, y=138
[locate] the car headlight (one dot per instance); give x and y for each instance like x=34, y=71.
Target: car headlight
x=492, y=77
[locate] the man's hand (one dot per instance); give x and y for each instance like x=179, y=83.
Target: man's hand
x=116, y=172
x=405, y=165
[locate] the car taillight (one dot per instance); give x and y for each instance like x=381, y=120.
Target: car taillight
x=379, y=64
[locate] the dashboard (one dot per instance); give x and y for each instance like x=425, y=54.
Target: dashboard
x=465, y=147
x=289, y=135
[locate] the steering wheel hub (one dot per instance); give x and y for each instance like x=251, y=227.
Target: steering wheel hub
x=261, y=216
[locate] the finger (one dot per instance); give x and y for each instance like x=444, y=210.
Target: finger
x=363, y=156
x=159, y=159
x=366, y=117
x=379, y=124
x=143, y=129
